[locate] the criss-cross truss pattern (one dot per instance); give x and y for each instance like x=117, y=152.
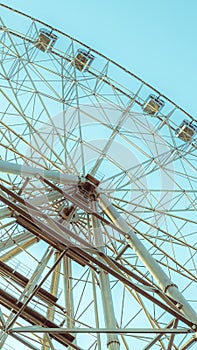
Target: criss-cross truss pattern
x=98, y=200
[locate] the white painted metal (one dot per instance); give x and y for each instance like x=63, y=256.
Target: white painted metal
x=102, y=130
x=102, y=330
x=153, y=267
x=29, y=171
x=107, y=301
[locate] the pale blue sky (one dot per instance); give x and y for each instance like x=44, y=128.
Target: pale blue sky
x=155, y=39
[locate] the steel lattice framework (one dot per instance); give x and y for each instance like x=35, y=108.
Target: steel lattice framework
x=98, y=200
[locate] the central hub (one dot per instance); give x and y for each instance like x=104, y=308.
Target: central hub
x=88, y=187
x=85, y=190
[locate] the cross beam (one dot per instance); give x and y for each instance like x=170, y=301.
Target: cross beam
x=38, y=329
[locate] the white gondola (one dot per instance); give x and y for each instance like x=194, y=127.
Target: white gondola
x=83, y=60
x=186, y=130
x=153, y=105
x=46, y=40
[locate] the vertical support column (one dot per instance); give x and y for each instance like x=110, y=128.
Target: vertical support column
x=153, y=267
x=67, y=268
x=108, y=309
x=96, y=310
x=53, y=291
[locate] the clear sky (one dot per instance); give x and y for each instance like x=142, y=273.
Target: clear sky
x=155, y=39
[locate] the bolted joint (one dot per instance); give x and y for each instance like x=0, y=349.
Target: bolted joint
x=194, y=327
x=114, y=341
x=168, y=286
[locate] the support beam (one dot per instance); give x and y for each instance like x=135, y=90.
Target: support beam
x=54, y=291
x=96, y=307
x=2, y=319
x=18, y=249
x=158, y=337
x=54, y=284
x=5, y=213
x=60, y=242
x=33, y=212
x=8, y=272
x=67, y=268
x=37, y=287
x=189, y=343
x=68, y=293
x=62, y=330
x=107, y=301
x=82, y=256
x=24, y=171
x=37, y=275
x=34, y=318
x=12, y=241
x=37, y=201
x=168, y=287
x=171, y=340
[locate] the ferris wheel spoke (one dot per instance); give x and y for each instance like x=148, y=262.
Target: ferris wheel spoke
x=150, y=225
x=169, y=212
x=39, y=137
x=119, y=124
x=33, y=129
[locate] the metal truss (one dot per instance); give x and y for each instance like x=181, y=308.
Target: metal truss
x=97, y=200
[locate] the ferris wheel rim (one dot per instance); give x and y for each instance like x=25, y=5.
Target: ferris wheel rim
x=103, y=56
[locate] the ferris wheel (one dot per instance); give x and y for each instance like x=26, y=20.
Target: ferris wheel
x=98, y=191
